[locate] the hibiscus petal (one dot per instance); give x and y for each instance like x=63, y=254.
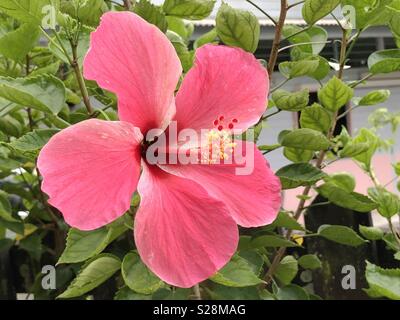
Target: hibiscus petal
x=226, y=83
x=182, y=234
x=135, y=60
x=90, y=171
x=253, y=197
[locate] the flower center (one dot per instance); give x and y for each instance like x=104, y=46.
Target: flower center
x=218, y=146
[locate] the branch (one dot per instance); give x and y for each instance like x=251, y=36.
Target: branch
x=79, y=77
x=277, y=40
x=302, y=44
x=196, y=292
x=127, y=5
x=295, y=4
x=263, y=12
x=281, y=252
x=297, y=33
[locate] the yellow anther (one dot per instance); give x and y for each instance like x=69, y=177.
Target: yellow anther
x=218, y=146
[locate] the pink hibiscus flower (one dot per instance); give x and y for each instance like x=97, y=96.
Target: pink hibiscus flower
x=186, y=225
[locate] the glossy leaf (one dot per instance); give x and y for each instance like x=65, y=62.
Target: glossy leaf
x=94, y=273
x=137, y=276
x=238, y=28
x=341, y=234
x=45, y=93
x=342, y=198
x=307, y=139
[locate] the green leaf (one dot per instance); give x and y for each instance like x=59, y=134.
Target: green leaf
x=316, y=118
x=137, y=276
x=335, y=94
x=45, y=93
x=313, y=36
x=185, y=56
x=352, y=149
x=289, y=101
x=180, y=26
x=151, y=14
x=371, y=233
x=391, y=242
x=384, y=61
x=82, y=245
x=16, y=44
x=297, y=35
x=388, y=202
x=34, y=140
x=292, y=292
x=396, y=168
x=94, y=273
x=298, y=155
x=220, y=292
x=383, y=282
x=254, y=259
x=310, y=261
x=270, y=241
x=317, y=36
x=238, y=28
x=10, y=126
x=300, y=68
x=237, y=273
x=5, y=214
x=127, y=294
x=189, y=9
x=374, y=97
x=52, y=69
x=285, y=220
x=88, y=12
x=342, y=180
x=314, y=10
x=17, y=227
x=370, y=138
x=297, y=174
x=4, y=202
x=341, y=234
x=31, y=11
x=343, y=198
x=323, y=69
x=269, y=147
x=33, y=245
x=307, y=139
x=287, y=270
x=369, y=12
x=209, y=37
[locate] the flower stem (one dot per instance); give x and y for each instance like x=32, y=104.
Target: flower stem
x=81, y=81
x=196, y=292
